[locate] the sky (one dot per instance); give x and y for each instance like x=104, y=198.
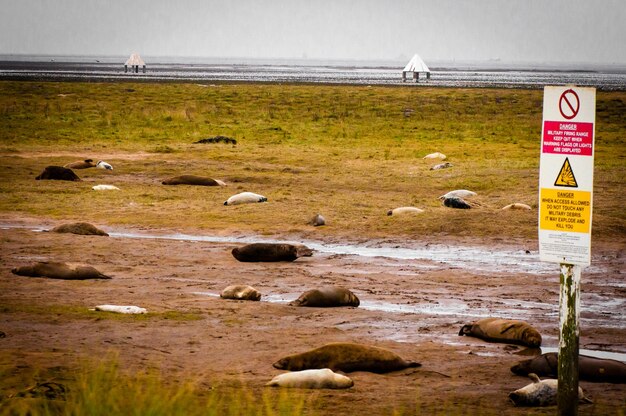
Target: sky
x=524, y=31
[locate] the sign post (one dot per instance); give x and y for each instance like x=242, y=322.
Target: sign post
x=565, y=207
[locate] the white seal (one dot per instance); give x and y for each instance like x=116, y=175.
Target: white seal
x=435, y=155
x=104, y=165
x=245, y=198
x=127, y=309
x=458, y=193
x=312, y=379
x=105, y=188
x=405, y=210
x=517, y=205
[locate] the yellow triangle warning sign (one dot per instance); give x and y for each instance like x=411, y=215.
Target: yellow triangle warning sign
x=566, y=176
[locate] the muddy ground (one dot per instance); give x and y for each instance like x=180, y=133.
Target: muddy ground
x=412, y=306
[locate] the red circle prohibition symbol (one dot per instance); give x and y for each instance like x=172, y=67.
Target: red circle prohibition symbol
x=569, y=104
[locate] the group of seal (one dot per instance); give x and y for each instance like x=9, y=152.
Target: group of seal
x=270, y=252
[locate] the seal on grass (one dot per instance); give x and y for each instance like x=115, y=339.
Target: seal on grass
x=80, y=228
x=503, y=330
x=405, y=210
x=240, y=292
x=540, y=393
x=192, y=180
x=436, y=155
x=454, y=202
x=270, y=252
x=346, y=357
x=442, y=166
x=517, y=205
x=81, y=164
x=104, y=165
x=55, y=270
x=58, y=173
x=597, y=370
x=327, y=297
x=312, y=379
x=245, y=198
x=458, y=193
x=317, y=221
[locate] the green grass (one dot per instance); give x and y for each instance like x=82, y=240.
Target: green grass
x=348, y=152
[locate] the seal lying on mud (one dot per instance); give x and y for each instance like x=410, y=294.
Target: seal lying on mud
x=592, y=369
x=405, y=210
x=192, y=180
x=540, y=393
x=80, y=228
x=245, y=198
x=81, y=164
x=312, y=379
x=346, y=357
x=58, y=173
x=267, y=252
x=327, y=297
x=503, y=330
x=240, y=292
x=55, y=270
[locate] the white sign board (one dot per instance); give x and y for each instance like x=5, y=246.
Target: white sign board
x=566, y=175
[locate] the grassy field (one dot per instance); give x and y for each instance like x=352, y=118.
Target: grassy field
x=348, y=152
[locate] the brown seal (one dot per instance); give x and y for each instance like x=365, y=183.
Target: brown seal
x=55, y=270
x=346, y=357
x=240, y=292
x=58, y=173
x=81, y=164
x=80, y=228
x=327, y=297
x=192, y=180
x=597, y=370
x=266, y=252
x=503, y=330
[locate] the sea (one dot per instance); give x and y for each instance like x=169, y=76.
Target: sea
x=490, y=74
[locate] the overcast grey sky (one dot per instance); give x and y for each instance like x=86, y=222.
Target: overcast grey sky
x=539, y=31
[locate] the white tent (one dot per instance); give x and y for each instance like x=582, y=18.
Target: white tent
x=134, y=62
x=415, y=66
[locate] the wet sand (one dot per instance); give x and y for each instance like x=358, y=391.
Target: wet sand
x=415, y=296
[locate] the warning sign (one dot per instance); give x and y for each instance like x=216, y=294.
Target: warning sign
x=566, y=175
x=565, y=210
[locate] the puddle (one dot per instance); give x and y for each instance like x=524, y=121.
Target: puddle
x=470, y=258
x=609, y=355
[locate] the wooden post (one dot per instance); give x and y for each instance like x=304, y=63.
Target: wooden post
x=569, y=305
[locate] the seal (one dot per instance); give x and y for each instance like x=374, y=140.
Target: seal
x=269, y=252
x=192, y=180
x=442, y=166
x=346, y=357
x=540, y=393
x=327, y=297
x=317, y=221
x=105, y=188
x=503, y=330
x=58, y=173
x=80, y=228
x=55, y=270
x=103, y=165
x=596, y=370
x=81, y=164
x=240, y=292
x=125, y=309
x=435, y=155
x=458, y=193
x=323, y=378
x=245, y=198
x=454, y=202
x=405, y=210
x=517, y=205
